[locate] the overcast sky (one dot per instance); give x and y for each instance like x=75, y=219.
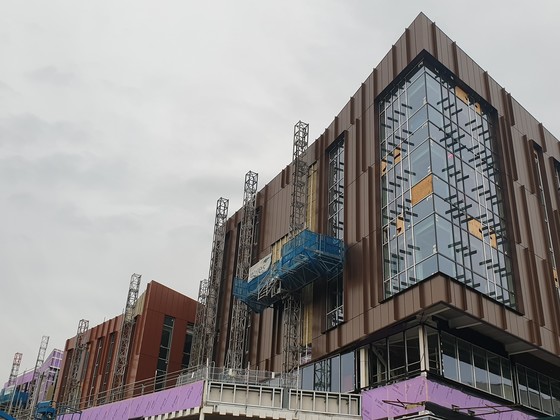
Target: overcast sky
x=121, y=123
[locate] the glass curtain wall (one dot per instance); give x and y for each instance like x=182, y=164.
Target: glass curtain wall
x=401, y=355
x=441, y=199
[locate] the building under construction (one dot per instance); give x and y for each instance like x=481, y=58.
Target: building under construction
x=24, y=390
x=134, y=353
x=403, y=265
x=409, y=253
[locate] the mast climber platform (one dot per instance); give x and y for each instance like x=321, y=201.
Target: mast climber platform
x=306, y=257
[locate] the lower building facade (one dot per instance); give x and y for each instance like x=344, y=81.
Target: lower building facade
x=32, y=386
x=159, y=349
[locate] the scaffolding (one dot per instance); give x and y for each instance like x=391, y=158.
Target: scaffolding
x=125, y=338
x=305, y=258
x=73, y=383
x=207, y=309
x=240, y=314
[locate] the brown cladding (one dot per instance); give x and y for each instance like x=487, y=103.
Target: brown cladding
x=156, y=302
x=536, y=321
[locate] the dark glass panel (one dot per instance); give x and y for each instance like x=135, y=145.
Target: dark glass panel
x=421, y=165
x=533, y=388
x=434, y=92
x=424, y=208
x=425, y=241
x=522, y=385
x=418, y=119
x=426, y=268
x=465, y=363
x=416, y=95
x=397, y=356
x=480, y=369
x=335, y=374
x=444, y=231
x=412, y=350
x=448, y=350
x=495, y=375
x=307, y=377
x=379, y=361
x=434, y=354
x=347, y=372
x=546, y=396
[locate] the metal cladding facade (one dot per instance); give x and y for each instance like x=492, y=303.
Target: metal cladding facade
x=522, y=327
x=160, y=312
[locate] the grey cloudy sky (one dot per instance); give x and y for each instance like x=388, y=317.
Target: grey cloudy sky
x=121, y=123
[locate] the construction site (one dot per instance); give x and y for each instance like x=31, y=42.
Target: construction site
x=385, y=272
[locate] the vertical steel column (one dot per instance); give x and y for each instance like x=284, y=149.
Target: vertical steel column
x=117, y=391
x=240, y=313
x=204, y=334
x=292, y=302
x=73, y=383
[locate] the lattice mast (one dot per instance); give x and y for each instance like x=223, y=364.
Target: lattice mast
x=292, y=301
x=13, y=376
x=240, y=312
x=207, y=309
x=73, y=383
x=125, y=338
x=38, y=363
x=15, y=369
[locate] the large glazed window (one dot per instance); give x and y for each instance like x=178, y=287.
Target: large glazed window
x=164, y=350
x=441, y=199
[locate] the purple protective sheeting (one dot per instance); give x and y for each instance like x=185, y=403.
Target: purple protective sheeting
x=383, y=402
x=175, y=399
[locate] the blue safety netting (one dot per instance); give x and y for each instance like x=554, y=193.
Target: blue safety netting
x=306, y=258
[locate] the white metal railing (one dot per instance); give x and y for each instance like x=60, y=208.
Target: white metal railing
x=241, y=387
x=325, y=402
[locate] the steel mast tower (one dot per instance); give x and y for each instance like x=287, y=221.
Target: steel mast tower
x=13, y=376
x=15, y=369
x=72, y=391
x=292, y=301
x=117, y=391
x=240, y=313
x=207, y=309
x=34, y=382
